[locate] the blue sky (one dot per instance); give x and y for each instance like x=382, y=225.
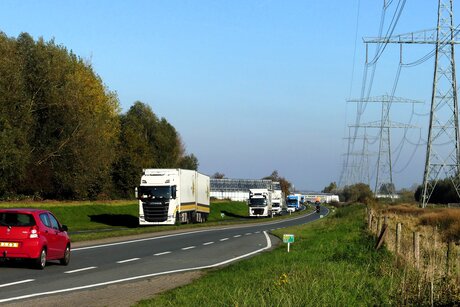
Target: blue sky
x=251, y=86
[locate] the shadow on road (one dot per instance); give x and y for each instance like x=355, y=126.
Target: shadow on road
x=124, y=220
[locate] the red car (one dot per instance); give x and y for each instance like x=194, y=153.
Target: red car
x=33, y=234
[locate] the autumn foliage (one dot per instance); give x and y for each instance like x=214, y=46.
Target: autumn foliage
x=62, y=135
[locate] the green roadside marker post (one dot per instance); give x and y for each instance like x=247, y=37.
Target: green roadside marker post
x=288, y=238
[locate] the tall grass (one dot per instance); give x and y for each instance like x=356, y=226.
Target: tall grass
x=331, y=263
x=434, y=280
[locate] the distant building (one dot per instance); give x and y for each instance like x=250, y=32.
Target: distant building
x=237, y=189
x=324, y=197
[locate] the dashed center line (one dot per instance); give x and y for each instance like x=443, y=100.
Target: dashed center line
x=16, y=283
x=80, y=270
x=186, y=248
x=237, y=236
x=257, y=232
x=163, y=253
x=248, y=233
x=224, y=239
x=207, y=243
x=128, y=260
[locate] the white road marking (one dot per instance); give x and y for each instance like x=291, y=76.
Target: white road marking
x=161, y=254
x=269, y=245
x=183, y=234
x=257, y=232
x=79, y=270
x=128, y=260
x=207, y=243
x=248, y=233
x=186, y=248
x=224, y=239
x=16, y=283
x=237, y=236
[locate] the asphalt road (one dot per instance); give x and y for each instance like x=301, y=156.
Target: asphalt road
x=102, y=265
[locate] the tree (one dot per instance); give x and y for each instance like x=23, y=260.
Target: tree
x=189, y=162
x=136, y=148
x=331, y=188
x=443, y=193
x=65, y=120
x=387, y=188
x=146, y=142
x=285, y=184
x=218, y=175
x=15, y=118
x=359, y=192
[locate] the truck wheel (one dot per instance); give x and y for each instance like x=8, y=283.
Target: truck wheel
x=193, y=217
x=177, y=219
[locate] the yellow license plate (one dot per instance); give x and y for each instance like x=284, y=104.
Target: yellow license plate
x=9, y=244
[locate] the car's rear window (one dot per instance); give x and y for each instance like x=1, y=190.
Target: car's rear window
x=16, y=219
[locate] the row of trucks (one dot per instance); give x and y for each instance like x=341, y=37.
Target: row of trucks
x=176, y=196
x=173, y=196
x=265, y=202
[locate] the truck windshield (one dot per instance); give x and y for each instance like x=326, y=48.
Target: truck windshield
x=154, y=192
x=292, y=202
x=257, y=202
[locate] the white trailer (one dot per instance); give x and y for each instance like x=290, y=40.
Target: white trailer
x=172, y=196
x=278, y=203
x=260, y=202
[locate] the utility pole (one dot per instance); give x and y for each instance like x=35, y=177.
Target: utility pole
x=442, y=152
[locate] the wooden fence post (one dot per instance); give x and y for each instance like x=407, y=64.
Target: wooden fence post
x=398, y=239
x=416, y=249
x=379, y=225
x=450, y=257
x=369, y=219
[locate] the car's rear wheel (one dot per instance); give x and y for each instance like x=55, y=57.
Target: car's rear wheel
x=40, y=262
x=66, y=259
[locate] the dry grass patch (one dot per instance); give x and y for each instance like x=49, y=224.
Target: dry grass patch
x=431, y=278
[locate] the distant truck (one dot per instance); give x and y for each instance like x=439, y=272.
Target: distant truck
x=173, y=196
x=293, y=202
x=260, y=202
x=277, y=199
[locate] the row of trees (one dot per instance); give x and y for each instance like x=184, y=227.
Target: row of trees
x=61, y=131
x=443, y=193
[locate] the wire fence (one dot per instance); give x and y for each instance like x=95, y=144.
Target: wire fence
x=430, y=266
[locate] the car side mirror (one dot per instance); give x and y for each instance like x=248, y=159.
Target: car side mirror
x=64, y=228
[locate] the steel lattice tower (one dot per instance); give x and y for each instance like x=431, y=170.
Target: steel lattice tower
x=442, y=153
x=444, y=108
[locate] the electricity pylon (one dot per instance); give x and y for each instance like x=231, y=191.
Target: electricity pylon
x=384, y=174
x=356, y=171
x=442, y=153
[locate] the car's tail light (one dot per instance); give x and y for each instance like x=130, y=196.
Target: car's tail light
x=33, y=233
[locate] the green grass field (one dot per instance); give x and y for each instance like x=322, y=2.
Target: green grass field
x=96, y=220
x=332, y=263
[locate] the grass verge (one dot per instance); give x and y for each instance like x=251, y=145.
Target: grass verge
x=98, y=220
x=331, y=263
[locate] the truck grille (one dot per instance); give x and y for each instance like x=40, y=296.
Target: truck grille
x=155, y=211
x=258, y=211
